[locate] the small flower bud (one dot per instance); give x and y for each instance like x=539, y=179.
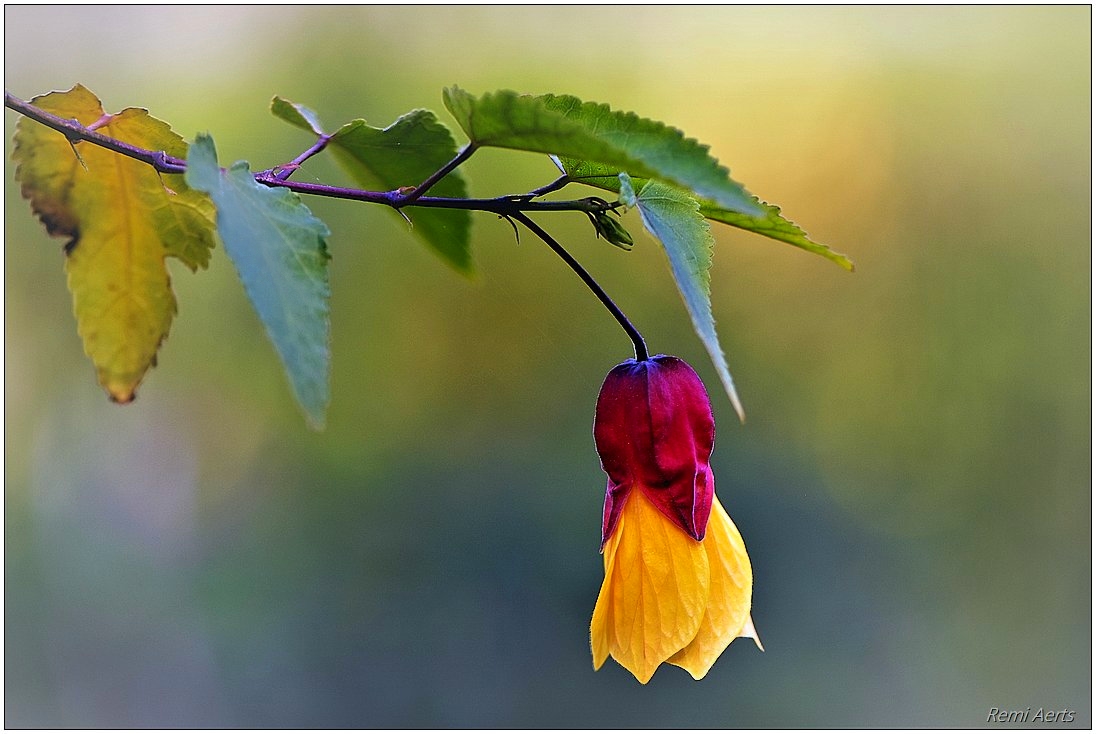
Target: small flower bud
x=612, y=230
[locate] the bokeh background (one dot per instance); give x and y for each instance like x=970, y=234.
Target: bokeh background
x=913, y=481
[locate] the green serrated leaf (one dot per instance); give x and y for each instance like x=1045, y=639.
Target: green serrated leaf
x=774, y=226
x=406, y=153
x=770, y=223
x=280, y=253
x=675, y=221
x=567, y=127
x=296, y=114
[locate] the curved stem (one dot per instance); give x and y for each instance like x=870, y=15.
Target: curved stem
x=581, y=272
x=556, y=185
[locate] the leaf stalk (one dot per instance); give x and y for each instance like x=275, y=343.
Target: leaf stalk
x=288, y=169
x=464, y=154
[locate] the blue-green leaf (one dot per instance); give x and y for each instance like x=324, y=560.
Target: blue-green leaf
x=627, y=191
x=675, y=220
x=280, y=252
x=567, y=127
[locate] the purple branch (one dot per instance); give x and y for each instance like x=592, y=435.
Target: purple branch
x=76, y=132
x=267, y=178
x=164, y=163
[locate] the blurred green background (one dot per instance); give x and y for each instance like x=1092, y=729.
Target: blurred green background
x=913, y=481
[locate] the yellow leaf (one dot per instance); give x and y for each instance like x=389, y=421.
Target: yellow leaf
x=655, y=590
x=728, y=612
x=122, y=219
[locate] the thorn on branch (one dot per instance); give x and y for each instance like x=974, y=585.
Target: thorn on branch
x=517, y=234
x=72, y=144
x=283, y=171
x=170, y=191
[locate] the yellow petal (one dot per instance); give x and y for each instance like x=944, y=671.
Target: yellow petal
x=728, y=612
x=655, y=590
x=599, y=625
x=751, y=632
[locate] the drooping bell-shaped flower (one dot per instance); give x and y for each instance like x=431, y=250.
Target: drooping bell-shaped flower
x=678, y=581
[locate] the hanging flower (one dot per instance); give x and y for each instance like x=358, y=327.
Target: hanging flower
x=677, y=582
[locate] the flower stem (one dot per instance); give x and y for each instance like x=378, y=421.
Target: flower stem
x=581, y=272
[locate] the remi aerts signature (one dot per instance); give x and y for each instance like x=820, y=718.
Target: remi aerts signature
x=1031, y=716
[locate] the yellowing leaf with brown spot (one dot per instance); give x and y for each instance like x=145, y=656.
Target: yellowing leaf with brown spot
x=122, y=219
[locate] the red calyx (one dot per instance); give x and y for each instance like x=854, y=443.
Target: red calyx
x=654, y=430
